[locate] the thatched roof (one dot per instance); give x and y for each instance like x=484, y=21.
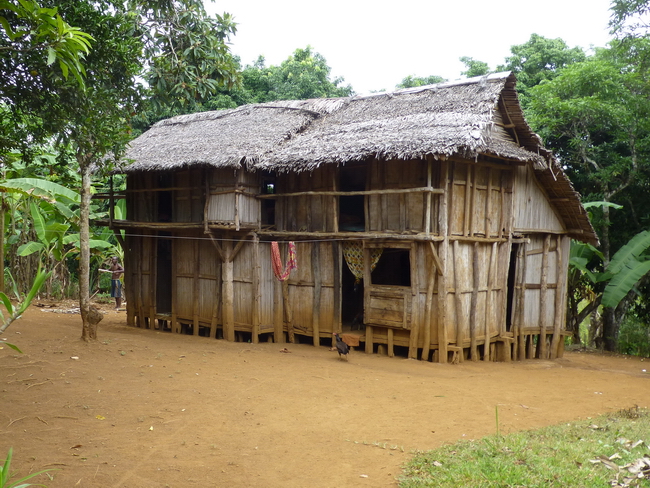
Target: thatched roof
x=224, y=138
x=469, y=118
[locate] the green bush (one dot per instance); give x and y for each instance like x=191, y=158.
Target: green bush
x=634, y=337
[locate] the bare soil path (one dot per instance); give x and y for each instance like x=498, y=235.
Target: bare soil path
x=142, y=408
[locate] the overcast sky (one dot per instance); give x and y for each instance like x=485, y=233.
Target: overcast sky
x=374, y=45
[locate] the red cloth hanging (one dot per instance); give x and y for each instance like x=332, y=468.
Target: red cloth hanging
x=276, y=261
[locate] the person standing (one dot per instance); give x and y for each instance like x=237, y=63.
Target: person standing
x=116, y=271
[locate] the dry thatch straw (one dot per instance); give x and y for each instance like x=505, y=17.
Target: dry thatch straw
x=469, y=118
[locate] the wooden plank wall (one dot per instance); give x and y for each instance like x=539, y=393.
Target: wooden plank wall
x=308, y=213
x=457, y=299
x=540, y=317
x=189, y=195
x=400, y=212
x=532, y=210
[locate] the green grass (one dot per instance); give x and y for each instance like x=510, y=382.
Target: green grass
x=568, y=455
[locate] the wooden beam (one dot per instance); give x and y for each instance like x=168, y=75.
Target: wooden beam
x=521, y=343
x=560, y=292
x=422, y=189
x=458, y=299
x=442, y=279
x=315, y=269
x=227, y=273
x=257, y=292
x=196, y=288
x=541, y=343
x=414, y=336
x=474, y=304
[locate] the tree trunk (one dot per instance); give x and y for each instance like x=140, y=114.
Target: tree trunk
x=610, y=329
x=89, y=327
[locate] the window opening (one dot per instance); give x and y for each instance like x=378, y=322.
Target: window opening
x=393, y=268
x=268, y=204
x=165, y=207
x=352, y=216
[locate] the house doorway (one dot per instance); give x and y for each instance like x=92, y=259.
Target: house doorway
x=351, y=300
x=512, y=284
x=164, y=274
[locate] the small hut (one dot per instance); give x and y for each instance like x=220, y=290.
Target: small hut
x=429, y=222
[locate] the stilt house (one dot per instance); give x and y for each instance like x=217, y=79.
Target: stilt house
x=429, y=222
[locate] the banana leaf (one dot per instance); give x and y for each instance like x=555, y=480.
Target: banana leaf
x=630, y=253
x=623, y=281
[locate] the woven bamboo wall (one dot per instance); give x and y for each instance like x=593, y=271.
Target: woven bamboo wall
x=307, y=213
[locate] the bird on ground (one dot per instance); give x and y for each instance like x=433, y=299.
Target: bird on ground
x=341, y=346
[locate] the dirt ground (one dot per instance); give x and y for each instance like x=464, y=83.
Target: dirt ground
x=141, y=408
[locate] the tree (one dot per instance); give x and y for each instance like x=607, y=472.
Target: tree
x=539, y=59
x=629, y=17
x=305, y=74
x=474, y=67
x=413, y=81
x=595, y=116
x=130, y=37
x=28, y=28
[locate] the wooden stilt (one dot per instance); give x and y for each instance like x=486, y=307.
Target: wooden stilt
x=543, y=313
x=443, y=224
x=458, y=298
x=195, y=289
x=227, y=273
x=255, y=331
x=369, y=339
x=560, y=292
x=415, y=305
x=474, y=305
x=315, y=267
x=391, y=348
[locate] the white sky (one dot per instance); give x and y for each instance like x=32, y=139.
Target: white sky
x=374, y=45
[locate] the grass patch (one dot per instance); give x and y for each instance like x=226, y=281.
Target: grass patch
x=612, y=450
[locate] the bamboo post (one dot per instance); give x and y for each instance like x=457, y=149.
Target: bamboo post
x=278, y=313
x=140, y=304
x=414, y=336
x=315, y=266
x=228, y=292
x=488, y=204
x=237, y=217
x=443, y=339
x=460, y=336
x=338, y=263
x=541, y=344
x=489, y=313
x=369, y=339
x=367, y=282
x=196, y=288
x=256, y=291
x=428, y=196
x=426, y=342
x=560, y=293
x=472, y=223
x=468, y=199
x=474, y=304
x=522, y=304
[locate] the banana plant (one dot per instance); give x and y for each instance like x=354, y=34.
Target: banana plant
x=15, y=311
x=630, y=263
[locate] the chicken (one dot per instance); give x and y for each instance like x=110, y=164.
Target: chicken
x=341, y=346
